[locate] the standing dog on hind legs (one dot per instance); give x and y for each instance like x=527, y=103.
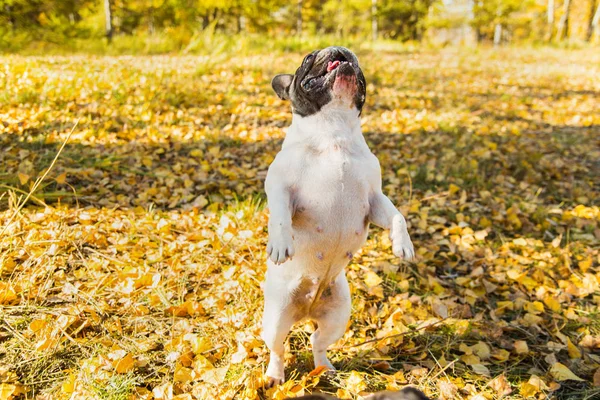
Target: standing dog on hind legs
x=323, y=190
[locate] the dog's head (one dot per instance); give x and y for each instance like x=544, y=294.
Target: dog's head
x=325, y=76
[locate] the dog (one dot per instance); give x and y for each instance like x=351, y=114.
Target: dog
x=323, y=190
x=407, y=393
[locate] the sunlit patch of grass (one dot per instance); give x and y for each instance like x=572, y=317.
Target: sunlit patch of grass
x=118, y=387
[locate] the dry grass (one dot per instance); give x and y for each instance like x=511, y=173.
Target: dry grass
x=134, y=268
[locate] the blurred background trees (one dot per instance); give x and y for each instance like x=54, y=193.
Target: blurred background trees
x=441, y=21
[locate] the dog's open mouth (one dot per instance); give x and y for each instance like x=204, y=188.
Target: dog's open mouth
x=331, y=65
x=326, y=77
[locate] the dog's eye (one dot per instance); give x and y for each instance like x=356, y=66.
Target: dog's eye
x=308, y=58
x=309, y=83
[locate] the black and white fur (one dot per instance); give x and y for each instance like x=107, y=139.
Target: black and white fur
x=323, y=189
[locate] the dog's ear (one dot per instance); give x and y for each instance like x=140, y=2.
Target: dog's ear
x=281, y=85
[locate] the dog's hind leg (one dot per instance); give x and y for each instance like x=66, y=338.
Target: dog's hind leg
x=331, y=313
x=279, y=316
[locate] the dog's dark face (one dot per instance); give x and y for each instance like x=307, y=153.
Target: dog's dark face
x=324, y=76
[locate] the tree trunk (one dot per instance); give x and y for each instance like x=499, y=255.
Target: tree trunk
x=550, y=14
x=563, y=24
x=299, y=19
x=498, y=34
x=374, y=19
x=594, y=28
x=108, y=20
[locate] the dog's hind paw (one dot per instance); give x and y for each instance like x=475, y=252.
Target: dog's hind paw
x=272, y=382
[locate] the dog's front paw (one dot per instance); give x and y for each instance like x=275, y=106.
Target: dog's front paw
x=401, y=244
x=280, y=247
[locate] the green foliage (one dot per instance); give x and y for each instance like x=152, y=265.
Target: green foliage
x=161, y=26
x=488, y=13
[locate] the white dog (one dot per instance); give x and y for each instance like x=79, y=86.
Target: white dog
x=323, y=189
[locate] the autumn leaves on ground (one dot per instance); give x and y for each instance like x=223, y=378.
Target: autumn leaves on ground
x=134, y=268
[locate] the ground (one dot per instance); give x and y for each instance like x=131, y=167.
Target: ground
x=134, y=268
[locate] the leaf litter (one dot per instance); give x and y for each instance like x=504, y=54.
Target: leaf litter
x=134, y=268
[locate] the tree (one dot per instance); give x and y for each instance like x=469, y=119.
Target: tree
x=594, y=28
x=374, y=20
x=108, y=20
x=550, y=20
x=492, y=18
x=563, y=24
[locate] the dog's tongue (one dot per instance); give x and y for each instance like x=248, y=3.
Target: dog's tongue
x=331, y=65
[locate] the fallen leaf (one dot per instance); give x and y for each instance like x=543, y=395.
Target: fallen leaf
x=355, y=382
x=560, y=372
x=481, y=369
x=597, y=378
x=372, y=279
x=124, y=365
x=573, y=351
x=521, y=347
x=500, y=385
x=7, y=391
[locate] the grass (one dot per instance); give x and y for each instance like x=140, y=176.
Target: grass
x=134, y=268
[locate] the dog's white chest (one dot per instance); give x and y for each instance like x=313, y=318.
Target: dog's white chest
x=331, y=202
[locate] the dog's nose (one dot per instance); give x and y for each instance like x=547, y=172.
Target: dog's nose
x=337, y=53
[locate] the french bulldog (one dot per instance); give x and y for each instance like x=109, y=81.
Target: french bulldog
x=323, y=190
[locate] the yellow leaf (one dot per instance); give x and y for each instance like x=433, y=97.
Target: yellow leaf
x=521, y=347
x=514, y=274
x=163, y=392
x=68, y=385
x=533, y=386
x=470, y=359
x=508, y=305
x=199, y=344
x=37, y=325
x=355, y=383
x=573, y=351
x=61, y=179
x=501, y=355
x=239, y=356
x=584, y=265
x=372, y=279
x=482, y=350
x=182, y=375
x=520, y=242
x=215, y=376
x=453, y=188
x=535, y=307
x=124, y=365
x=7, y=293
x=23, y=178
x=556, y=241
x=7, y=391
x=343, y=394
x=560, y=372
x=552, y=304
x=465, y=349
x=46, y=343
